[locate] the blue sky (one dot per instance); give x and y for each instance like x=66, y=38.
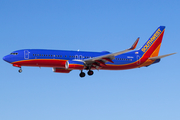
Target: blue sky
x=96, y=25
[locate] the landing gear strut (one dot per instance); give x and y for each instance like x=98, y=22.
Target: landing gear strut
x=20, y=70
x=82, y=74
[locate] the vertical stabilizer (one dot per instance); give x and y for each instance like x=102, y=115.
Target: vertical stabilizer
x=152, y=46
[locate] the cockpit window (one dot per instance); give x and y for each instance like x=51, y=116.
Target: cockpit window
x=14, y=53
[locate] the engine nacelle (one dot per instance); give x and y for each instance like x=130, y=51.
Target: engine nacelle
x=61, y=70
x=77, y=65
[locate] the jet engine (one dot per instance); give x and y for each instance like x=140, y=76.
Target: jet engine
x=61, y=70
x=78, y=65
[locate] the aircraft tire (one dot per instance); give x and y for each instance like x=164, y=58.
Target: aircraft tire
x=82, y=74
x=90, y=72
x=20, y=70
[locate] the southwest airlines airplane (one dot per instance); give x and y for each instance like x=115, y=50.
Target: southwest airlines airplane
x=63, y=61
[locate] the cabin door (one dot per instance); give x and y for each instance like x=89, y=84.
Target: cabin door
x=26, y=54
x=138, y=60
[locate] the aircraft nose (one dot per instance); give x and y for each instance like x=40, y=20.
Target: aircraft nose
x=6, y=58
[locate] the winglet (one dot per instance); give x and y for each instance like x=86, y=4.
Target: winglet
x=134, y=45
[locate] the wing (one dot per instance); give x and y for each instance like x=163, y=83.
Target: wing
x=96, y=61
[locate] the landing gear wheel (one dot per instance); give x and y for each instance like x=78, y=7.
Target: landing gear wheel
x=90, y=72
x=20, y=70
x=82, y=74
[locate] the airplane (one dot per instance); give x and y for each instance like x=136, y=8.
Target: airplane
x=63, y=61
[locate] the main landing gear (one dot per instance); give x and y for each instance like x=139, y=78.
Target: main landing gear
x=82, y=74
x=90, y=72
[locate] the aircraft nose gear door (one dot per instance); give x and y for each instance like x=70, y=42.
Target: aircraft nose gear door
x=26, y=54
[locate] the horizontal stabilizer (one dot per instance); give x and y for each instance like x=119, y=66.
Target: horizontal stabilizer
x=159, y=57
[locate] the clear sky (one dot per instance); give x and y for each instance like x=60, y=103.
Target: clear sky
x=151, y=93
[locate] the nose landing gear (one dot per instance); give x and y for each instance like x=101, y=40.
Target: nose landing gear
x=20, y=70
